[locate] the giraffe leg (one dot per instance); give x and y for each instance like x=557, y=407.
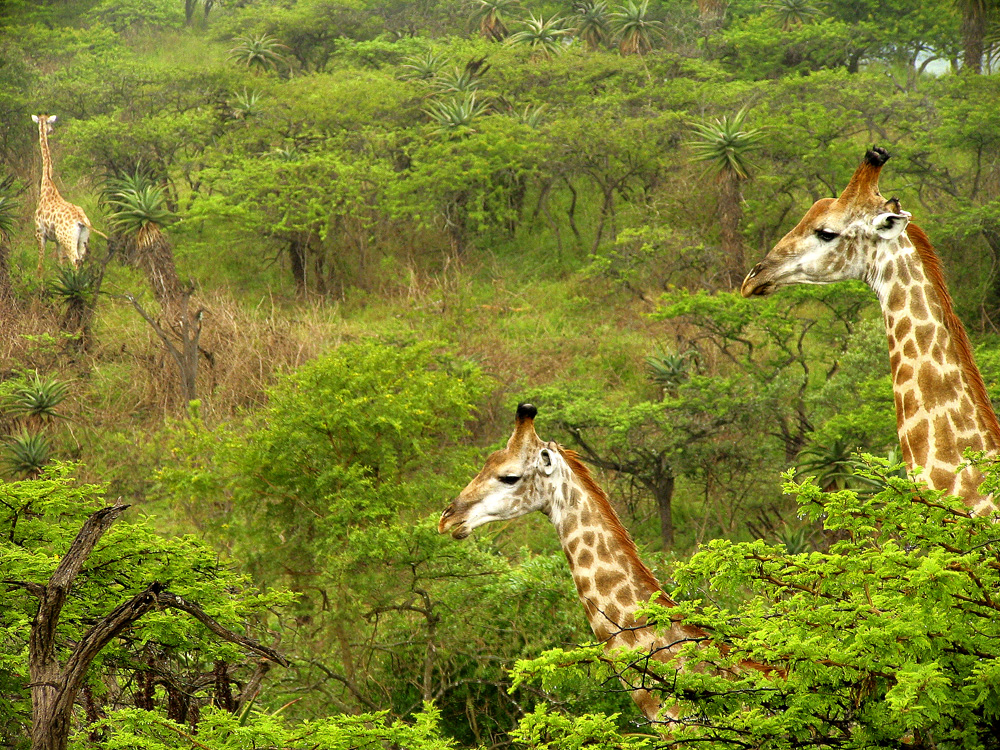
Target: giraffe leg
x=40, y=237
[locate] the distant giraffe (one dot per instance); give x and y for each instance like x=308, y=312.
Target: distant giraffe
x=56, y=218
x=942, y=407
x=611, y=580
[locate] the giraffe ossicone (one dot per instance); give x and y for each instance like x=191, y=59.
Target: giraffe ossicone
x=942, y=407
x=612, y=582
x=56, y=218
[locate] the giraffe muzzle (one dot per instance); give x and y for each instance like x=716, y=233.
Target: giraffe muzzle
x=449, y=522
x=754, y=285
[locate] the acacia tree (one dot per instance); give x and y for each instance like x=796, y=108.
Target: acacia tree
x=90, y=590
x=696, y=432
x=334, y=490
x=785, y=344
x=889, y=637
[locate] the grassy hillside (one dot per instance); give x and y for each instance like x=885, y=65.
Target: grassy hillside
x=361, y=203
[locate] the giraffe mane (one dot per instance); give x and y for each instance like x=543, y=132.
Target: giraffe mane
x=935, y=273
x=624, y=539
x=618, y=530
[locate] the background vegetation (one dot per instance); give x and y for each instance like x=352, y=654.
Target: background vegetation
x=346, y=237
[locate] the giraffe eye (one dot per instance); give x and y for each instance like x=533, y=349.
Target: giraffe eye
x=826, y=235
x=509, y=479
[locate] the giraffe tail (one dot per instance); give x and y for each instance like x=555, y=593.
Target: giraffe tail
x=98, y=231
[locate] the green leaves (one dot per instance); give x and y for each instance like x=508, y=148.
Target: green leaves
x=454, y=116
x=8, y=207
x=134, y=729
x=544, y=37
x=260, y=52
x=890, y=633
x=25, y=454
x=725, y=143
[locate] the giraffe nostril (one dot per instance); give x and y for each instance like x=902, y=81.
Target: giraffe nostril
x=754, y=271
x=449, y=511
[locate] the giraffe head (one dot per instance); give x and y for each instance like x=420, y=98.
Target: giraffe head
x=44, y=123
x=512, y=483
x=838, y=238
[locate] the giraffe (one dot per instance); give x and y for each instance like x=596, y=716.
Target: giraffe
x=611, y=580
x=942, y=407
x=56, y=218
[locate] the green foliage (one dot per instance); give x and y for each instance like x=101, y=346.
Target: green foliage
x=39, y=520
x=25, y=454
x=127, y=15
x=724, y=144
x=35, y=398
x=553, y=731
x=543, y=37
x=341, y=445
x=134, y=729
x=889, y=634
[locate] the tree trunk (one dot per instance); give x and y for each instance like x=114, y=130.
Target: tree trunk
x=664, y=502
x=156, y=261
x=54, y=686
x=974, y=17
x=297, y=256
x=730, y=215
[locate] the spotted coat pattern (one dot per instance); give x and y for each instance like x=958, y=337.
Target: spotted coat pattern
x=611, y=580
x=56, y=218
x=942, y=408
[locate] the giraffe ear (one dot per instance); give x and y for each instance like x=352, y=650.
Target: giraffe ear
x=52, y=119
x=889, y=226
x=545, y=461
x=34, y=118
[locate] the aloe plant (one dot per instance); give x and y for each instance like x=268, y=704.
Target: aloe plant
x=24, y=455
x=592, y=22
x=634, y=30
x=423, y=67
x=544, y=37
x=453, y=115
x=489, y=17
x=37, y=398
x=724, y=144
x=259, y=52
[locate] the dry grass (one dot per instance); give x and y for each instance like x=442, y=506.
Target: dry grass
x=242, y=348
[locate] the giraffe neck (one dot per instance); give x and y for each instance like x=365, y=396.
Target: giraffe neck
x=48, y=185
x=942, y=407
x=610, y=578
